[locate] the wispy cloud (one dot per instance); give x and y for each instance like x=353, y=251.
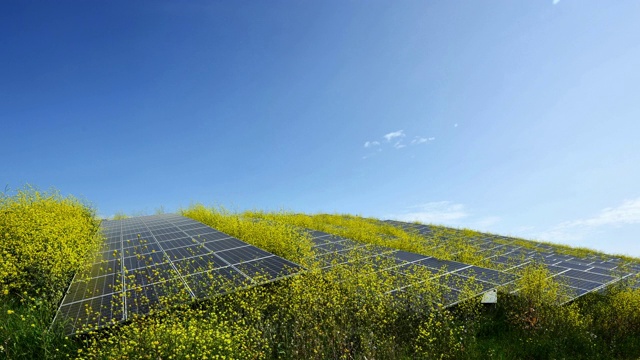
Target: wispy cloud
x=455, y=125
x=392, y=135
x=421, y=140
x=626, y=213
x=396, y=140
x=555, y=2
x=447, y=213
x=434, y=212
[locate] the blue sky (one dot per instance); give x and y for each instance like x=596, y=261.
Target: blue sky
x=515, y=117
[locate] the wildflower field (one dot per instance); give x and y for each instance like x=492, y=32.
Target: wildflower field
x=343, y=312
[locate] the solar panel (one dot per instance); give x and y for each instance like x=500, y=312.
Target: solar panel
x=450, y=276
x=145, y=260
x=577, y=275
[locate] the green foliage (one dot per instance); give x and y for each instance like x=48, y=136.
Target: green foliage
x=217, y=332
x=44, y=238
x=277, y=238
x=345, y=312
x=440, y=336
x=447, y=244
x=119, y=215
x=616, y=319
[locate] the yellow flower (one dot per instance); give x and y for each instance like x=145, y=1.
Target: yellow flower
x=10, y=312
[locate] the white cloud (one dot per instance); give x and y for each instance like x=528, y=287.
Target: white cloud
x=573, y=231
x=455, y=125
x=449, y=214
x=396, y=134
x=627, y=213
x=396, y=140
x=434, y=212
x=555, y=2
x=421, y=140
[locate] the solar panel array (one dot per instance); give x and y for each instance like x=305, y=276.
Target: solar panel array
x=147, y=258
x=451, y=276
x=576, y=275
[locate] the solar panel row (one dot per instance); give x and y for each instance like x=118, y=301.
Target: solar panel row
x=576, y=275
x=145, y=259
x=454, y=277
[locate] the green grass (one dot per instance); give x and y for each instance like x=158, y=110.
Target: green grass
x=342, y=313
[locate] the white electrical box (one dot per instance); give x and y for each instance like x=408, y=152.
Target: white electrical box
x=490, y=297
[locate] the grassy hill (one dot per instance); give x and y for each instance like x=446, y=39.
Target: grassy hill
x=342, y=313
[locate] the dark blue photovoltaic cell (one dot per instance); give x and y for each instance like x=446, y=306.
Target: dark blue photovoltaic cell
x=148, y=258
x=582, y=274
x=102, y=268
x=412, y=268
x=217, y=281
x=91, y=313
x=573, y=265
x=604, y=265
x=144, y=260
x=598, y=270
x=445, y=265
x=488, y=275
x=199, y=264
x=331, y=250
x=337, y=246
x=585, y=275
x=555, y=269
x=271, y=267
x=224, y=244
x=205, y=238
x=578, y=283
x=242, y=254
x=457, y=282
x=407, y=256
x=186, y=252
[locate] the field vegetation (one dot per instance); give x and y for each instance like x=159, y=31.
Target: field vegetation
x=344, y=312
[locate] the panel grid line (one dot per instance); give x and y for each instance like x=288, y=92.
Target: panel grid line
x=171, y=264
